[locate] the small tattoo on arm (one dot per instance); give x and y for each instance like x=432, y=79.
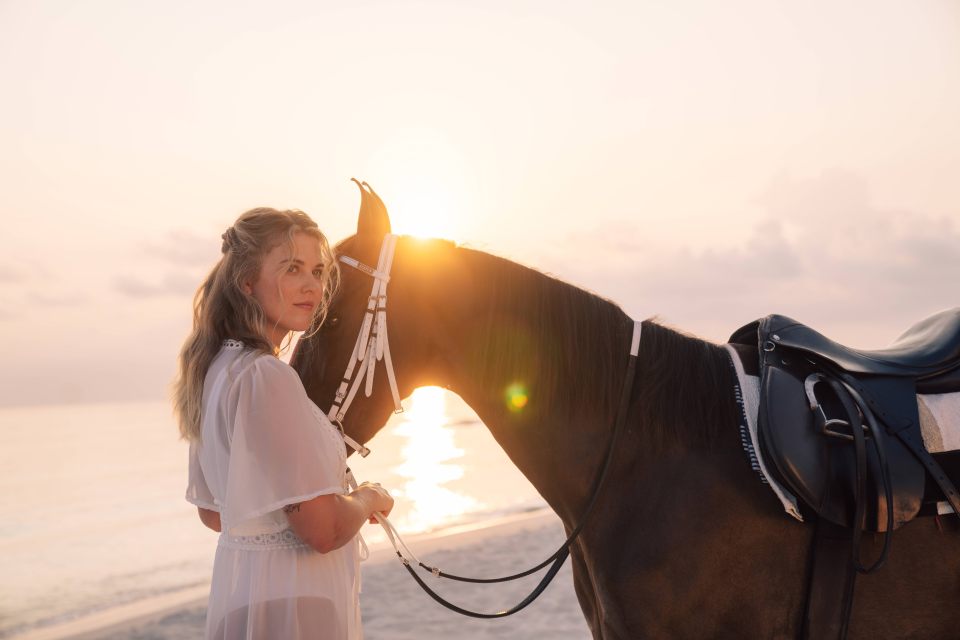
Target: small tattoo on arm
x=291, y=508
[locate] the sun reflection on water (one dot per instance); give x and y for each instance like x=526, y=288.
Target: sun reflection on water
x=428, y=463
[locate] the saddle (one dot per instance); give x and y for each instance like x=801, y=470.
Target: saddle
x=813, y=390
x=840, y=427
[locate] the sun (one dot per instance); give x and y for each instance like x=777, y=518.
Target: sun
x=425, y=183
x=425, y=211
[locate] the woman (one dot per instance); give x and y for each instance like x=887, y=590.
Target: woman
x=266, y=466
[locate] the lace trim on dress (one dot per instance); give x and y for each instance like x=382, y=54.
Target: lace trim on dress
x=230, y=343
x=285, y=539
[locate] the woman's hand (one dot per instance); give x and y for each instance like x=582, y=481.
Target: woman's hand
x=377, y=498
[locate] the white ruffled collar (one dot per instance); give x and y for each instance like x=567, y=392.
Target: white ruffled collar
x=230, y=343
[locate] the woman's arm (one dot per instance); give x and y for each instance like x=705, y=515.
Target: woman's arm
x=210, y=518
x=330, y=521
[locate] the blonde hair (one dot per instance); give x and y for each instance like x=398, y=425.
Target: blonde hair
x=221, y=308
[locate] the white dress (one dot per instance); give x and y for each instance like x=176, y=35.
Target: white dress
x=265, y=445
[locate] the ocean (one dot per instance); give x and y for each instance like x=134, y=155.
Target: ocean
x=92, y=514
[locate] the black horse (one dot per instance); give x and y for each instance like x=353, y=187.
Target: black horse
x=684, y=541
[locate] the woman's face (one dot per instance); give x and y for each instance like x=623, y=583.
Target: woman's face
x=289, y=287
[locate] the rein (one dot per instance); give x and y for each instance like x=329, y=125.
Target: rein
x=372, y=346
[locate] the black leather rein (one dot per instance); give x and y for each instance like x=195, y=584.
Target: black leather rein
x=560, y=555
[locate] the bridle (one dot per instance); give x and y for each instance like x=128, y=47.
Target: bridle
x=372, y=345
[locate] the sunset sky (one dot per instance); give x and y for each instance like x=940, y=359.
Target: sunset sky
x=707, y=162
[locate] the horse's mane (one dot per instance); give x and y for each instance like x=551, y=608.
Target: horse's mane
x=686, y=388
x=575, y=359
x=567, y=348
x=563, y=344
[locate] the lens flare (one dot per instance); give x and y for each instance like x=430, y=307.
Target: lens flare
x=516, y=397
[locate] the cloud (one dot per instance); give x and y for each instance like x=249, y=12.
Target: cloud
x=28, y=285
x=47, y=299
x=822, y=252
x=184, y=249
x=189, y=253
x=173, y=284
x=11, y=275
x=616, y=236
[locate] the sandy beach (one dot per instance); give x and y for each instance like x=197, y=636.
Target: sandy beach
x=393, y=605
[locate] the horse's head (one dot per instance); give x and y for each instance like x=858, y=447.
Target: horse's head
x=322, y=358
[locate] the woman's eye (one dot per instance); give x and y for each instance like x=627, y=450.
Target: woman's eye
x=292, y=269
x=318, y=273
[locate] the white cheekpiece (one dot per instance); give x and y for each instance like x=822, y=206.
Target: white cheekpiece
x=372, y=344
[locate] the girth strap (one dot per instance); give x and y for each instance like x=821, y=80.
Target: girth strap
x=909, y=438
x=830, y=583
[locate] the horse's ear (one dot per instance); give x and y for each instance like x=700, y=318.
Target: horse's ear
x=373, y=221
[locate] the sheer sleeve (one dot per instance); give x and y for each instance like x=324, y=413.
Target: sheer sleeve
x=198, y=492
x=280, y=453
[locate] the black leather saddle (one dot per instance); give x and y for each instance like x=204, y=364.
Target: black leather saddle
x=840, y=426
x=928, y=352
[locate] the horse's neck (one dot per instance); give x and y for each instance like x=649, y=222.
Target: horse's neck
x=558, y=444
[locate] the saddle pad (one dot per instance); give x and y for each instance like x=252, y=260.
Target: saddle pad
x=748, y=398
x=939, y=423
